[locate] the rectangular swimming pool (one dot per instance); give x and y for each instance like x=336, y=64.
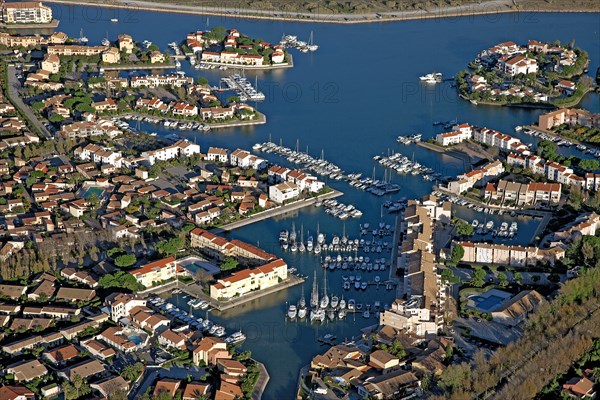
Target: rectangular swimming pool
x=92, y=190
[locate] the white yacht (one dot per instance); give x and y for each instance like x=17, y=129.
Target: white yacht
x=292, y=311
x=433, y=77
x=335, y=301
x=302, y=312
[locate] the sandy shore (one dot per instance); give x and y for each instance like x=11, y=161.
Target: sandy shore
x=488, y=8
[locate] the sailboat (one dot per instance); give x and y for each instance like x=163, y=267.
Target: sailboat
x=309, y=244
x=301, y=246
x=314, y=296
x=82, y=39
x=292, y=238
x=342, y=303
x=325, y=299
x=320, y=236
x=311, y=46
x=105, y=41
x=293, y=233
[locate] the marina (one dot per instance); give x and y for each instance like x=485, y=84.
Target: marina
x=292, y=42
x=285, y=348
x=244, y=88
x=329, y=170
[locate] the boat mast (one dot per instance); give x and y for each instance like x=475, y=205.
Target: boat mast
x=314, y=296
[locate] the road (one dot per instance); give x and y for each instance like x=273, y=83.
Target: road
x=466, y=274
x=488, y=7
x=13, y=91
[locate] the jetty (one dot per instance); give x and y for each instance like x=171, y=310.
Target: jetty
x=273, y=212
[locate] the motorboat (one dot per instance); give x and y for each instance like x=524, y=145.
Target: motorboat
x=235, y=338
x=433, y=77
x=335, y=301
x=351, y=304
x=302, y=312
x=292, y=311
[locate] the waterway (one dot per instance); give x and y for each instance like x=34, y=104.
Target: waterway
x=350, y=99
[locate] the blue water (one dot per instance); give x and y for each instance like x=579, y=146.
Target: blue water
x=487, y=303
x=350, y=99
x=135, y=339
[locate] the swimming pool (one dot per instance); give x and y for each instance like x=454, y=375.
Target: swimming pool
x=136, y=339
x=487, y=303
x=92, y=190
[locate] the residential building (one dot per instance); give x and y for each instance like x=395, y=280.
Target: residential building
x=172, y=339
x=116, y=338
x=111, y=56
x=283, y=192
x=217, y=154
x=126, y=43
x=422, y=311
x=16, y=393
x=26, y=12
x=248, y=280
x=209, y=350
x=581, y=387
x=51, y=63
x=570, y=117
x=85, y=370
x=450, y=138
x=180, y=148
x=518, y=64
x=516, y=310
x=107, y=387
x=157, y=57
x=156, y=272
x=25, y=371
x=76, y=50
x=243, y=159
x=522, y=194
x=167, y=386
x=510, y=255
x=121, y=304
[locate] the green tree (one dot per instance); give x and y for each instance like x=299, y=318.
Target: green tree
x=122, y=280
x=457, y=254
x=202, y=81
x=170, y=247
x=132, y=372
x=229, y=263
x=478, y=277
x=503, y=279
x=589, y=164
x=125, y=260
x=56, y=118
x=518, y=277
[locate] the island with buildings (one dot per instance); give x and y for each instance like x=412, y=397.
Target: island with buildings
x=536, y=73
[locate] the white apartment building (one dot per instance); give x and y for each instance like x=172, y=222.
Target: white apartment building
x=27, y=12
x=283, y=191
